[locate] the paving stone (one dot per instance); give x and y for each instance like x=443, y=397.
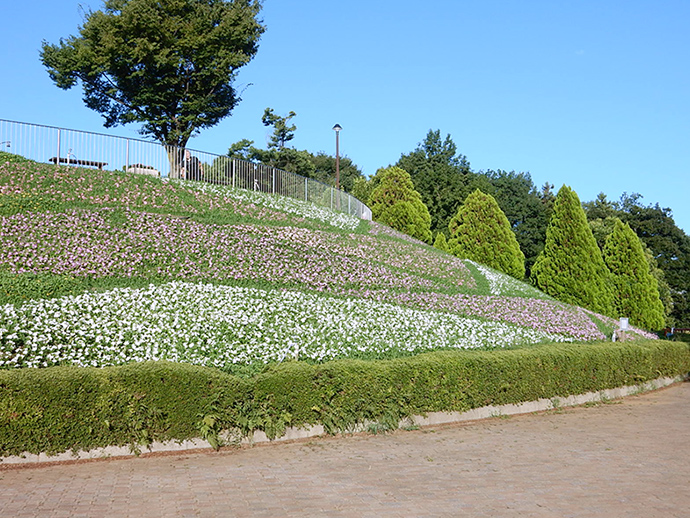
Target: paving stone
x=628, y=458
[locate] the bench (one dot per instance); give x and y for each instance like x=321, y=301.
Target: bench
x=143, y=169
x=76, y=161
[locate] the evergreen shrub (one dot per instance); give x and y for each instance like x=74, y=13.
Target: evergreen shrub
x=480, y=231
x=571, y=267
x=60, y=409
x=441, y=243
x=636, y=293
x=396, y=203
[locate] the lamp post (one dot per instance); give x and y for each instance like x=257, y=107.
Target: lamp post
x=337, y=129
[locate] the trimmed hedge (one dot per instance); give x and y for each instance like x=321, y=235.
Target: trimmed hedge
x=69, y=408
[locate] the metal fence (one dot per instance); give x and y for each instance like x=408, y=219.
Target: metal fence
x=62, y=146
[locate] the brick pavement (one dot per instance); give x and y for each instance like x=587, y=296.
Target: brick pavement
x=628, y=458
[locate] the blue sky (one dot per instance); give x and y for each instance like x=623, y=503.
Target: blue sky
x=593, y=94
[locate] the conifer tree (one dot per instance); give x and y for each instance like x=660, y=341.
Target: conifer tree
x=571, y=267
x=440, y=243
x=396, y=203
x=480, y=231
x=636, y=294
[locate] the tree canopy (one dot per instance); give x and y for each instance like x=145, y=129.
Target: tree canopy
x=671, y=249
x=444, y=179
x=169, y=64
x=325, y=171
x=667, y=246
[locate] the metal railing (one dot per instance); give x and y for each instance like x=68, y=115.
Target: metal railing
x=63, y=146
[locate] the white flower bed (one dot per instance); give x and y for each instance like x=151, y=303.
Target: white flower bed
x=280, y=203
x=503, y=284
x=220, y=325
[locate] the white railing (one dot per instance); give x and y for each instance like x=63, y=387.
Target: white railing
x=73, y=147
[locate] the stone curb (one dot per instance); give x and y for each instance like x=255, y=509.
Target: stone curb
x=292, y=434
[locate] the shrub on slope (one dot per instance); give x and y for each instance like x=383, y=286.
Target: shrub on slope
x=396, y=203
x=571, y=268
x=481, y=232
x=635, y=289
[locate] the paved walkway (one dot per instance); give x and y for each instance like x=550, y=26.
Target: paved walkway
x=628, y=458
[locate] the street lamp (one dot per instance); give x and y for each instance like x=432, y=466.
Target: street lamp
x=337, y=129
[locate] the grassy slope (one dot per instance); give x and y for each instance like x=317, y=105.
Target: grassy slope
x=104, y=268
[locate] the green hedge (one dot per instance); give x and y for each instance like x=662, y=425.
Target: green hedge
x=68, y=408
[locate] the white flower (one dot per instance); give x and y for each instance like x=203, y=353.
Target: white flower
x=223, y=325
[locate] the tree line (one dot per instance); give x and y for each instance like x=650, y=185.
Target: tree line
x=619, y=258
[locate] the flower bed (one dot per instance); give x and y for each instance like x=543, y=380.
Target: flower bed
x=134, y=244
x=220, y=326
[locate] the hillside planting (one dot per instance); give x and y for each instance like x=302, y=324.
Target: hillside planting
x=106, y=268
x=169, y=311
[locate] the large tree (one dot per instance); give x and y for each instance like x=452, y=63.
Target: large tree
x=168, y=64
x=571, y=267
x=440, y=175
x=481, y=232
x=519, y=200
x=603, y=215
x=636, y=294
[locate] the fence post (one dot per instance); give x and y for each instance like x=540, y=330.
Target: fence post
x=234, y=163
x=127, y=158
x=57, y=158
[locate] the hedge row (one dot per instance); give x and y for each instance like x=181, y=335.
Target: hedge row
x=69, y=408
